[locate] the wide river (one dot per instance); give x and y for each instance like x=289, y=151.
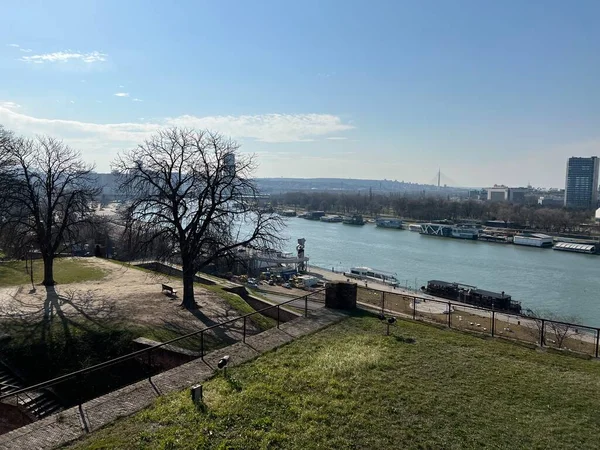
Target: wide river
x=542, y=279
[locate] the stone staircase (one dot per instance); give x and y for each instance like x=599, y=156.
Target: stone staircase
x=38, y=404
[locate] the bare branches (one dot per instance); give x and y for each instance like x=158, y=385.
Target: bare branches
x=194, y=192
x=46, y=195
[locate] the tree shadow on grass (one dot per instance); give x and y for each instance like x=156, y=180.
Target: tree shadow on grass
x=64, y=331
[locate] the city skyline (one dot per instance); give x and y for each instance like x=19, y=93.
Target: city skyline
x=491, y=93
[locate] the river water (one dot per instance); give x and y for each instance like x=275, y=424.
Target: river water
x=542, y=279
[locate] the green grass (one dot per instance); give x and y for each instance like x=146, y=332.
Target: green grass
x=66, y=270
x=237, y=302
x=350, y=386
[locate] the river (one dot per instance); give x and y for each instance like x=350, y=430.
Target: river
x=542, y=279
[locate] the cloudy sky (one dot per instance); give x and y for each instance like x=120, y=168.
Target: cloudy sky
x=490, y=92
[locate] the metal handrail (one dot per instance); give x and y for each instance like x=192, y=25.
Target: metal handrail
x=119, y=359
x=482, y=308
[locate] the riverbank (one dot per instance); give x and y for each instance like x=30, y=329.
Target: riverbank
x=462, y=316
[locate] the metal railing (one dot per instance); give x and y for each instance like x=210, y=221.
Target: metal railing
x=540, y=331
x=145, y=354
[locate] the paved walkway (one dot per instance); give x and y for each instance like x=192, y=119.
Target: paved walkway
x=75, y=422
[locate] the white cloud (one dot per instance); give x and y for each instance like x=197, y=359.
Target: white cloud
x=66, y=56
x=100, y=142
x=337, y=138
x=72, y=101
x=122, y=94
x=137, y=100
x=121, y=86
x=9, y=105
x=26, y=50
x=13, y=45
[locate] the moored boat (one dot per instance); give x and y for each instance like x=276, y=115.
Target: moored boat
x=414, y=227
x=368, y=274
x=388, y=222
x=355, y=219
x=331, y=219
x=498, y=238
x=533, y=240
x=472, y=295
x=453, y=231
x=576, y=247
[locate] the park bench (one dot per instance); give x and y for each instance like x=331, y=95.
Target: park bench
x=169, y=289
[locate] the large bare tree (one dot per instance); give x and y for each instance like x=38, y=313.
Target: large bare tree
x=192, y=193
x=45, y=196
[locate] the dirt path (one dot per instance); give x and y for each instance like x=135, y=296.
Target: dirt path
x=124, y=294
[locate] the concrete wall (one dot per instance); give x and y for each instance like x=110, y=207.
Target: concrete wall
x=165, y=357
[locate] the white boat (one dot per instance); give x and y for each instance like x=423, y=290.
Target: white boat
x=368, y=274
x=575, y=247
x=453, y=231
x=388, y=222
x=414, y=227
x=465, y=232
x=533, y=240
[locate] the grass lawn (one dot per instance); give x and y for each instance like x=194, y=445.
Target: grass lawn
x=350, y=386
x=66, y=270
x=237, y=302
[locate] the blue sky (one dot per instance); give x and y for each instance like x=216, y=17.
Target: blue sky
x=490, y=92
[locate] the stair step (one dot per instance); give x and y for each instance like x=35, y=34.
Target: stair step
x=52, y=410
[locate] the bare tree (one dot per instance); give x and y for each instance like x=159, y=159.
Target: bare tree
x=562, y=327
x=48, y=196
x=192, y=191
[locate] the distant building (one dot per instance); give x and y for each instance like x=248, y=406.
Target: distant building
x=551, y=200
x=581, y=185
x=501, y=193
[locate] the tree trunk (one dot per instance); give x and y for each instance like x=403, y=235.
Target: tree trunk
x=188, y=286
x=48, y=271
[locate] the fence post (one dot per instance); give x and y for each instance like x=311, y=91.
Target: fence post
x=277, y=315
x=244, y=337
x=493, y=322
x=382, y=302
x=202, y=345
x=306, y=306
x=597, y=340
x=449, y=315
x=414, y=308
x=542, y=333
x=149, y=363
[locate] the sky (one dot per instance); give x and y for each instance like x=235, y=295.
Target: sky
x=487, y=92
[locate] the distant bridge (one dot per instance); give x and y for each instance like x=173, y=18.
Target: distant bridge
x=442, y=180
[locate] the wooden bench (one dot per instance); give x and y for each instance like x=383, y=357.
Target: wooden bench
x=169, y=289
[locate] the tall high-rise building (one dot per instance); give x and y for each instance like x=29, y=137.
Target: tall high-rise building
x=581, y=186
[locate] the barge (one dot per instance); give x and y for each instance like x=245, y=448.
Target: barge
x=388, y=222
x=368, y=274
x=312, y=215
x=472, y=296
x=331, y=219
x=452, y=231
x=533, y=240
x=355, y=219
x=498, y=238
x=577, y=248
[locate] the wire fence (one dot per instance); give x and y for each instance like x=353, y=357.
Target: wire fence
x=90, y=382
x=533, y=330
